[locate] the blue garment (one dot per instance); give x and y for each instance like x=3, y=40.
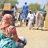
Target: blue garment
x=24, y=11
x=6, y=42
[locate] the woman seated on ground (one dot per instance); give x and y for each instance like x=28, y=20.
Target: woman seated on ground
x=8, y=34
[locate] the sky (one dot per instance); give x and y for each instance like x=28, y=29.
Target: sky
x=21, y=2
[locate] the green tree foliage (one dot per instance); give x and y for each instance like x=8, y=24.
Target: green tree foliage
x=13, y=2
x=1, y=3
x=34, y=7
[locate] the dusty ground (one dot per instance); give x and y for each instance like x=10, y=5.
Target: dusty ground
x=35, y=38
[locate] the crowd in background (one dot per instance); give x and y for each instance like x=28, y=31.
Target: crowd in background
x=30, y=18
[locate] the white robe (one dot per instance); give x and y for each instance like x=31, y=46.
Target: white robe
x=31, y=20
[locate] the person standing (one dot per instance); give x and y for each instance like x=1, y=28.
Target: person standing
x=42, y=20
x=39, y=20
x=14, y=9
x=30, y=18
x=24, y=12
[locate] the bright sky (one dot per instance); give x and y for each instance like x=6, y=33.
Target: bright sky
x=21, y=2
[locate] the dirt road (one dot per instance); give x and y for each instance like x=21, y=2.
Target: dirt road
x=35, y=38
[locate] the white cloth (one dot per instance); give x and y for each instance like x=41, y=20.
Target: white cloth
x=30, y=17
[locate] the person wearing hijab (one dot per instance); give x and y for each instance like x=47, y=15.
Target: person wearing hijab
x=8, y=34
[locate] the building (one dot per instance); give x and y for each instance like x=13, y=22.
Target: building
x=46, y=18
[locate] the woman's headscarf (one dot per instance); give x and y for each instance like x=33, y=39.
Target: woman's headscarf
x=5, y=20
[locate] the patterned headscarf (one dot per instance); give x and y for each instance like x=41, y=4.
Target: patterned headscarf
x=6, y=20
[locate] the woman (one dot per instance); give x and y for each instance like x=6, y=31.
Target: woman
x=8, y=35
x=39, y=20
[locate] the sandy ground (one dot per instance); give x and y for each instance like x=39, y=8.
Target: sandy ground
x=35, y=38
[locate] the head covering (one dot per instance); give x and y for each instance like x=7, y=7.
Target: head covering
x=37, y=13
x=25, y=2
x=5, y=20
x=7, y=17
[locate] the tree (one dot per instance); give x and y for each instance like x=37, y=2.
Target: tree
x=34, y=7
x=1, y=3
x=13, y=2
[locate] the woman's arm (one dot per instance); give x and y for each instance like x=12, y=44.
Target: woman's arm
x=14, y=33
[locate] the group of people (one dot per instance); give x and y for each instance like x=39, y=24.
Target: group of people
x=30, y=18
x=34, y=19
